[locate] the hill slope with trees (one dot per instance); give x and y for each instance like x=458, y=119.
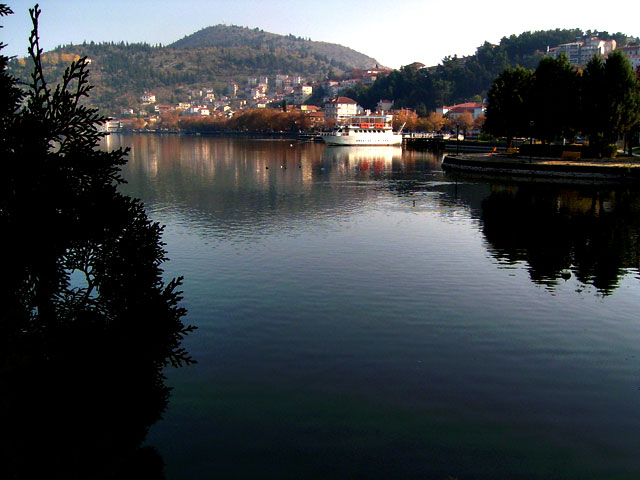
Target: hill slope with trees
x=457, y=79
x=225, y=36
x=121, y=72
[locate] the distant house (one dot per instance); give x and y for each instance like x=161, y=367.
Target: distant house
x=232, y=89
x=475, y=109
x=148, y=98
x=199, y=110
x=301, y=93
x=256, y=92
x=362, y=72
x=310, y=108
x=341, y=108
x=316, y=118
x=281, y=80
x=369, y=78
x=162, y=109
x=126, y=111
x=384, y=105
x=632, y=52
x=352, y=82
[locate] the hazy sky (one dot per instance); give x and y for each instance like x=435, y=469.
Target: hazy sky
x=393, y=32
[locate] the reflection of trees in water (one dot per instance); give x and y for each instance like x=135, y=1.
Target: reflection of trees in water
x=593, y=233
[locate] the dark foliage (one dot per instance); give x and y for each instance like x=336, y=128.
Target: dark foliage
x=556, y=102
x=88, y=323
x=508, y=104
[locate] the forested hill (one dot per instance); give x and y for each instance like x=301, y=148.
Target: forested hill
x=457, y=80
x=121, y=72
x=225, y=36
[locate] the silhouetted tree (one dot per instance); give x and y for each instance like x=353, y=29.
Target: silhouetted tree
x=508, y=108
x=610, y=99
x=554, y=99
x=88, y=322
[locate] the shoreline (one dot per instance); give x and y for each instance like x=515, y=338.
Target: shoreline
x=543, y=168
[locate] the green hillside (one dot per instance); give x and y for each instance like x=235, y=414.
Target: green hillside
x=121, y=72
x=224, y=36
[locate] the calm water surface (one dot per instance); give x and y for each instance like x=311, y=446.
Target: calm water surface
x=362, y=315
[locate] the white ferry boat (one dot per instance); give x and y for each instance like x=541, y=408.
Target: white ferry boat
x=365, y=130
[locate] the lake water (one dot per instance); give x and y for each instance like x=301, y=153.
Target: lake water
x=362, y=315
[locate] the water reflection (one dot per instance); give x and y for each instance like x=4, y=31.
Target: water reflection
x=364, y=296
x=589, y=232
x=558, y=231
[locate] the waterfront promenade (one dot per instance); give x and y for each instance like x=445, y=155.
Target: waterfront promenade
x=612, y=169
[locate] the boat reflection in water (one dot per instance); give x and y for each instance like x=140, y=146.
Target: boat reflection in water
x=377, y=159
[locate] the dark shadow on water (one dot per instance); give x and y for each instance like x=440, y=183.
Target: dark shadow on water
x=588, y=232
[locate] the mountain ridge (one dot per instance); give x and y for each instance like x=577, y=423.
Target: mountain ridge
x=222, y=36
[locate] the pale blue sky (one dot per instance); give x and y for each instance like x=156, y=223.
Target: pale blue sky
x=394, y=32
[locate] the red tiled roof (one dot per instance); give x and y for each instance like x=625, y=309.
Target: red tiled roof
x=466, y=105
x=343, y=100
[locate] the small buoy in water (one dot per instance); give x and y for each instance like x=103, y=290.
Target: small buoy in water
x=414, y=203
x=565, y=274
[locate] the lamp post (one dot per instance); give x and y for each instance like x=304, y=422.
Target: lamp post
x=530, y=139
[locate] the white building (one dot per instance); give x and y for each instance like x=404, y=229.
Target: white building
x=301, y=93
x=148, y=98
x=454, y=111
x=384, y=105
x=256, y=92
x=341, y=108
x=581, y=51
x=281, y=80
x=232, y=89
x=632, y=52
